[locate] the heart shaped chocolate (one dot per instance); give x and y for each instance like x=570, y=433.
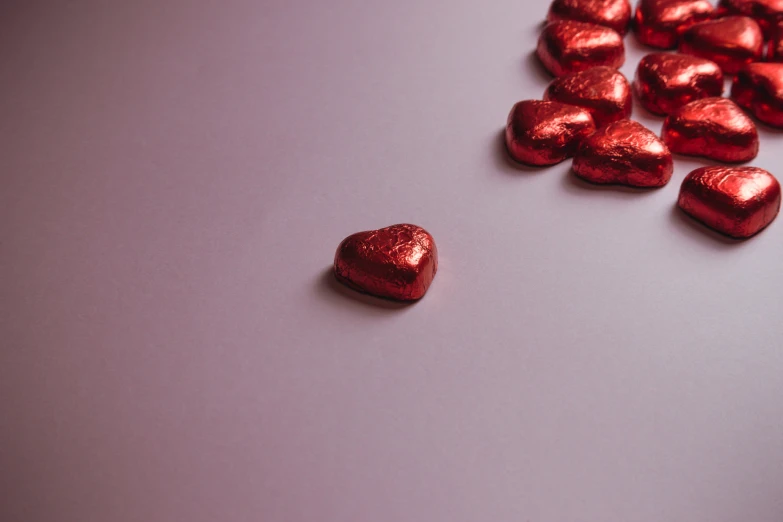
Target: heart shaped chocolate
x=610, y=13
x=759, y=88
x=731, y=42
x=545, y=132
x=601, y=90
x=567, y=46
x=624, y=153
x=396, y=262
x=659, y=23
x=664, y=82
x=737, y=201
x=766, y=12
x=715, y=128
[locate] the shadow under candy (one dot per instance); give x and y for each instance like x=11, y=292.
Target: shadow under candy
x=573, y=182
x=505, y=162
x=699, y=231
x=533, y=65
x=330, y=288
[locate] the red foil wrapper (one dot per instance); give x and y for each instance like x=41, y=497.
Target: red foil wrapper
x=659, y=23
x=567, y=47
x=624, y=153
x=664, y=82
x=601, y=90
x=610, y=13
x=731, y=42
x=544, y=133
x=397, y=262
x=775, y=49
x=766, y=12
x=737, y=201
x=759, y=88
x=715, y=128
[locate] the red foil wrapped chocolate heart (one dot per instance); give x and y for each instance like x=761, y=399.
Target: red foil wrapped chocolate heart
x=664, y=82
x=566, y=46
x=624, y=153
x=545, y=132
x=731, y=42
x=659, y=23
x=759, y=88
x=601, y=90
x=766, y=12
x=397, y=262
x=737, y=201
x=610, y=13
x=715, y=128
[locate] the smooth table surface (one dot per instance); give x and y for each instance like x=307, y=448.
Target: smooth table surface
x=174, y=179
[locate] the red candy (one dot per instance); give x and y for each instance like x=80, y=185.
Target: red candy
x=737, y=201
x=759, y=88
x=601, y=90
x=715, y=128
x=731, y=42
x=766, y=12
x=610, y=13
x=659, y=23
x=544, y=133
x=664, y=82
x=625, y=153
x=567, y=47
x=775, y=46
x=397, y=262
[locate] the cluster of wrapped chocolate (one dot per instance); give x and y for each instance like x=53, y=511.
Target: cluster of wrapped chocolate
x=584, y=112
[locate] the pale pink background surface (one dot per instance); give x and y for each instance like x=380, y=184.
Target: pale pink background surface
x=175, y=178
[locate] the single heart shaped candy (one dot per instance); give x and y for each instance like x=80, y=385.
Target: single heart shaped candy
x=567, y=46
x=624, y=153
x=664, y=82
x=601, y=90
x=396, y=262
x=737, y=201
x=659, y=23
x=545, y=132
x=715, y=128
x=610, y=13
x=766, y=12
x=759, y=88
x=731, y=42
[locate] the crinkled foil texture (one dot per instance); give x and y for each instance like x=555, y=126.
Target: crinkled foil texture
x=659, y=23
x=715, y=128
x=567, y=46
x=736, y=201
x=544, y=133
x=759, y=88
x=766, y=12
x=626, y=153
x=397, y=262
x=610, y=13
x=603, y=91
x=731, y=42
x=664, y=82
